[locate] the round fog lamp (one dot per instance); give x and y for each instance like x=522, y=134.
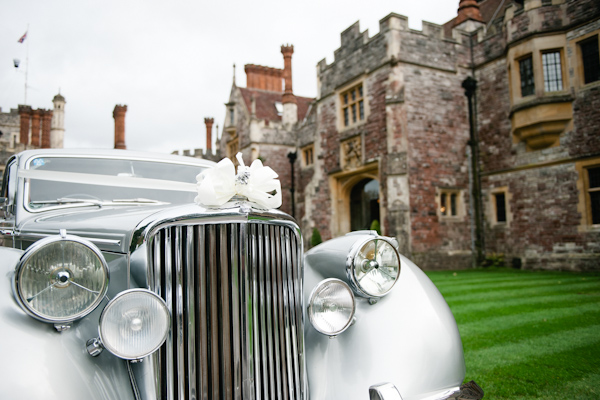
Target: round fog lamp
x=61, y=279
x=331, y=307
x=375, y=268
x=134, y=324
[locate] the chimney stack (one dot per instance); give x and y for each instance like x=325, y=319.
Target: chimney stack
x=24, y=116
x=35, y=127
x=468, y=10
x=119, y=116
x=263, y=78
x=290, y=108
x=46, y=128
x=288, y=95
x=209, y=123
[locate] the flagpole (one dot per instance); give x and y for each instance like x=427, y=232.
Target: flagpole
x=26, y=64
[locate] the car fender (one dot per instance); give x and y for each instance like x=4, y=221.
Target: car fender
x=38, y=362
x=408, y=338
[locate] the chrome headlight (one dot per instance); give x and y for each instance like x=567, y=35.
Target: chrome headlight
x=331, y=307
x=373, y=267
x=61, y=279
x=134, y=324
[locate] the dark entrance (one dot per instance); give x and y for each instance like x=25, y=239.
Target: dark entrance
x=364, y=204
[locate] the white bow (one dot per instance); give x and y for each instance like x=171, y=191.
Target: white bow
x=259, y=184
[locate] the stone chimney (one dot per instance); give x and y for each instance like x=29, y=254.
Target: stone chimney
x=209, y=123
x=46, y=128
x=468, y=10
x=290, y=108
x=24, y=116
x=119, y=116
x=263, y=78
x=35, y=127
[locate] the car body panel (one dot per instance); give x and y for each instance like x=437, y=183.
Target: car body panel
x=408, y=337
x=40, y=363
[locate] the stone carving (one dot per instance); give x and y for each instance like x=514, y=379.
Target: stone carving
x=351, y=156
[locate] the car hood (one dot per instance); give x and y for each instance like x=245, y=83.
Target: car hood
x=109, y=228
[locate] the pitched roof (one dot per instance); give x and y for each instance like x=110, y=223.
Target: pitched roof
x=265, y=103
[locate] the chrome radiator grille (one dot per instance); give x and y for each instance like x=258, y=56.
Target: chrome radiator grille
x=235, y=294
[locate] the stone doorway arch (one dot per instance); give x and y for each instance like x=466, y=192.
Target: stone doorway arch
x=342, y=185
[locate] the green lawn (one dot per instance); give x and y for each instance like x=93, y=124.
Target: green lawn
x=527, y=334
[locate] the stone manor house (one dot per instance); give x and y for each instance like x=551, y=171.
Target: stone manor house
x=465, y=140
x=25, y=128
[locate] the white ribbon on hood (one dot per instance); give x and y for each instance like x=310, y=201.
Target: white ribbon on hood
x=259, y=184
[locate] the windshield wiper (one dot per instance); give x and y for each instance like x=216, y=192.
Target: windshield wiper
x=68, y=200
x=139, y=200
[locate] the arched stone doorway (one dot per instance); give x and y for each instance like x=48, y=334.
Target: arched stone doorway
x=364, y=204
x=343, y=185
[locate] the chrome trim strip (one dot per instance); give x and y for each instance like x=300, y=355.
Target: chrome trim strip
x=289, y=325
x=36, y=236
x=276, y=320
x=225, y=316
x=283, y=317
x=247, y=349
x=213, y=310
x=179, y=314
x=235, y=310
x=190, y=304
x=154, y=284
x=203, y=338
x=255, y=311
x=168, y=268
x=299, y=320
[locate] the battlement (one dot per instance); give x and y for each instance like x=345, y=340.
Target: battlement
x=198, y=153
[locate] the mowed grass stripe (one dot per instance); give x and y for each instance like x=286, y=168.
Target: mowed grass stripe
x=493, y=323
x=468, y=289
x=479, y=278
x=532, y=348
x=487, y=338
x=521, y=291
x=468, y=312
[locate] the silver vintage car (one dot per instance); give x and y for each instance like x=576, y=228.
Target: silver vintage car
x=135, y=276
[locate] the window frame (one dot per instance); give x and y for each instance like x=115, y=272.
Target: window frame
x=492, y=210
x=352, y=105
x=449, y=199
x=582, y=58
x=531, y=70
x=308, y=156
x=594, y=212
x=583, y=185
x=559, y=75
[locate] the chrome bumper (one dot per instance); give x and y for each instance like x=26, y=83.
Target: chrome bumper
x=387, y=391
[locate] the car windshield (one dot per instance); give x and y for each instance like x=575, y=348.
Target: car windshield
x=69, y=181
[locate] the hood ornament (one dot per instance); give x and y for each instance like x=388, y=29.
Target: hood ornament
x=257, y=183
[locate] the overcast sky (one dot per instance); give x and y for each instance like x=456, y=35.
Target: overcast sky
x=170, y=62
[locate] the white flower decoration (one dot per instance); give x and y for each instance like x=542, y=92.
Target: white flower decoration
x=259, y=184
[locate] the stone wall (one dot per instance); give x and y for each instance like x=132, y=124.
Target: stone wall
x=543, y=187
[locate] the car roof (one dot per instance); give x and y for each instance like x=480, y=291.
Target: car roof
x=116, y=153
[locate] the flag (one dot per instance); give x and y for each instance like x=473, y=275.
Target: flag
x=22, y=39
